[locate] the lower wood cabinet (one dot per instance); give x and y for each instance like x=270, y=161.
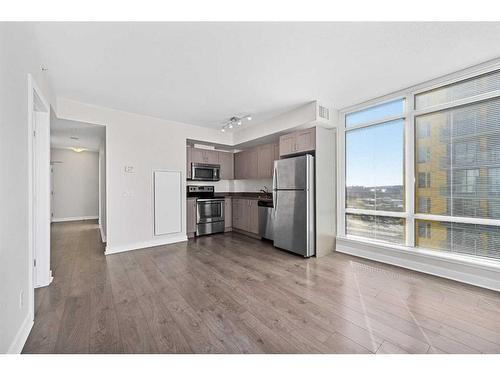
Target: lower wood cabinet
x=228, y=214
x=246, y=215
x=191, y=217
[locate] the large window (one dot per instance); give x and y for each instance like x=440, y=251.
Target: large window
x=375, y=174
x=455, y=177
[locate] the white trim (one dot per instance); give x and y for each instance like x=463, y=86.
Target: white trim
x=33, y=90
x=73, y=218
x=375, y=122
x=458, y=219
x=103, y=236
x=476, y=271
x=457, y=103
x=21, y=336
x=145, y=244
x=361, y=211
x=409, y=170
x=341, y=191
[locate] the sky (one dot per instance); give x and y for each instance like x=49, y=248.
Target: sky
x=374, y=155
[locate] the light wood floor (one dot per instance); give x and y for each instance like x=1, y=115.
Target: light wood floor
x=232, y=294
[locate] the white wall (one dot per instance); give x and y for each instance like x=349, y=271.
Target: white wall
x=144, y=143
x=102, y=190
x=76, y=184
x=18, y=57
x=305, y=114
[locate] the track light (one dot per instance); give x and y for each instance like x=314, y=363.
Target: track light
x=235, y=121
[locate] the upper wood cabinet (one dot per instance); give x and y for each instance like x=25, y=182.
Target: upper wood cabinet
x=240, y=165
x=288, y=144
x=199, y=155
x=265, y=161
x=189, y=151
x=226, y=161
x=252, y=162
x=298, y=142
x=276, y=152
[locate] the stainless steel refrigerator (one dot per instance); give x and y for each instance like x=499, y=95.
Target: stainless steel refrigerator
x=293, y=195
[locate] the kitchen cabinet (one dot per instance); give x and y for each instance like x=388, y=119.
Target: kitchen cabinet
x=252, y=160
x=253, y=216
x=191, y=217
x=265, y=161
x=226, y=161
x=189, y=151
x=298, y=142
x=276, y=152
x=306, y=140
x=287, y=144
x=246, y=215
x=199, y=155
x=256, y=162
x=228, y=214
x=240, y=165
x=253, y=163
x=246, y=164
x=239, y=213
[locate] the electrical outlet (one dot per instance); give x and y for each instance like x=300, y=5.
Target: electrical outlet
x=21, y=299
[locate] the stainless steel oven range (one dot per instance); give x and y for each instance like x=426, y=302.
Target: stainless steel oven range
x=209, y=210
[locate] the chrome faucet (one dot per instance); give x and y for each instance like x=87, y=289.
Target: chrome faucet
x=265, y=190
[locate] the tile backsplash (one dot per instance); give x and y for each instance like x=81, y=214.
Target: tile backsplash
x=247, y=186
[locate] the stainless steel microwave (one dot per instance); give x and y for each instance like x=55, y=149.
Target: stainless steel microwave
x=205, y=172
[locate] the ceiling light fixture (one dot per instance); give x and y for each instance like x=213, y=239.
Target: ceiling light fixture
x=77, y=149
x=235, y=121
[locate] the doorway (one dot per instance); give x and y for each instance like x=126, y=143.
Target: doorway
x=39, y=192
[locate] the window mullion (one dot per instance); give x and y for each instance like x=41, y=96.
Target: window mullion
x=410, y=170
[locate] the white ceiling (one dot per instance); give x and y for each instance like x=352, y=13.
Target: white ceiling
x=89, y=136
x=202, y=73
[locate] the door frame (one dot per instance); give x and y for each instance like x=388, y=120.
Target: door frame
x=37, y=106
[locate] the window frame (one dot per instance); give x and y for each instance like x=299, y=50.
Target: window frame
x=410, y=179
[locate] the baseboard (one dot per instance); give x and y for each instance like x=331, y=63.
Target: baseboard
x=75, y=218
x=22, y=335
x=142, y=245
x=244, y=232
x=478, y=272
x=103, y=236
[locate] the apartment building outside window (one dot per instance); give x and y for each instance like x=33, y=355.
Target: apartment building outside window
x=438, y=147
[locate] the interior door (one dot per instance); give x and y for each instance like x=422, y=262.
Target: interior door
x=290, y=221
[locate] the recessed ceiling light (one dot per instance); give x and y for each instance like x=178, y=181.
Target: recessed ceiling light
x=77, y=149
x=249, y=118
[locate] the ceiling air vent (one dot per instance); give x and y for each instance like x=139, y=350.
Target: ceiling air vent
x=324, y=112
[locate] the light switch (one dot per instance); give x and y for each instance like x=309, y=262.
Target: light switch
x=129, y=169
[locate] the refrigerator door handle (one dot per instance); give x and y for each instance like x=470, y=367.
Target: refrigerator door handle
x=275, y=184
